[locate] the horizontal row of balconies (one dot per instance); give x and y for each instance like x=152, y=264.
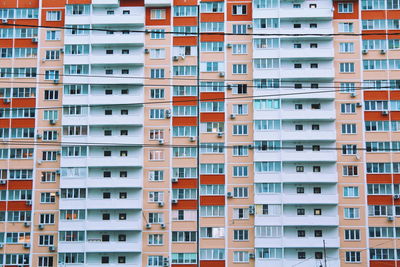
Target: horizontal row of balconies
x=134, y=159
x=293, y=13
x=305, y=135
x=292, y=220
x=299, y=242
x=304, y=177
x=101, y=38
x=293, y=199
x=291, y=73
x=96, y=99
x=292, y=114
x=289, y=155
x=100, y=182
x=294, y=262
x=98, y=246
x=99, y=203
x=134, y=119
x=284, y=53
x=131, y=59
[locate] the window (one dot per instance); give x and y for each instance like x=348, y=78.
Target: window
x=353, y=256
x=212, y=7
x=346, y=27
x=266, y=4
x=268, y=188
x=240, y=88
x=266, y=63
x=212, y=254
x=212, y=211
x=346, y=47
x=240, y=151
x=52, y=54
x=184, y=258
x=156, y=134
x=268, y=166
x=157, y=53
x=240, y=235
x=346, y=67
x=45, y=261
x=348, y=108
x=53, y=15
x=240, y=129
x=53, y=35
x=349, y=129
x=155, y=261
x=240, y=256
x=184, y=70
x=212, y=46
x=239, y=28
x=157, y=14
x=155, y=240
x=47, y=197
x=185, y=11
x=155, y=196
x=349, y=149
x=184, y=193
x=239, y=68
x=156, y=217
x=269, y=253
x=351, y=235
x=350, y=170
x=345, y=7
x=240, y=192
x=48, y=177
x=157, y=113
x=240, y=109
x=157, y=34
x=351, y=213
x=46, y=240
x=184, y=236
x=240, y=171
x=46, y=218
x=350, y=191
x=239, y=10
x=266, y=23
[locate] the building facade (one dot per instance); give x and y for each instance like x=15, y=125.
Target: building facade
x=199, y=133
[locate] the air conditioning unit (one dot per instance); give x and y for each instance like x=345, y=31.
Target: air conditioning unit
x=39, y=136
x=220, y=135
x=229, y=195
x=396, y=197
x=39, y=161
x=365, y=51
x=250, y=146
x=1, y=245
x=57, y=193
x=353, y=95
x=59, y=152
x=165, y=261
x=175, y=58
x=53, y=122
x=6, y=100
x=161, y=203
x=27, y=245
x=28, y=202
x=163, y=225
x=229, y=87
x=222, y=74
x=52, y=248
x=251, y=210
x=174, y=180
x=252, y=256
x=166, y=264
x=62, y=50
x=390, y=218
x=58, y=171
x=3, y=181
x=383, y=51
x=174, y=201
x=192, y=139
x=233, y=116
x=229, y=45
x=249, y=26
x=4, y=21
x=56, y=81
x=168, y=113
x=146, y=51
x=161, y=141
x=35, y=40
x=41, y=226
x=148, y=225
x=147, y=31
x=385, y=112
x=359, y=104
x=27, y=224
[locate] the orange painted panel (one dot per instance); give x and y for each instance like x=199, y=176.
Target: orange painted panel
x=53, y=23
x=220, y=96
x=395, y=95
x=131, y=3
x=380, y=35
x=397, y=32
x=380, y=200
x=212, y=179
x=395, y=115
x=3, y=205
x=24, y=43
x=212, y=263
x=212, y=116
x=247, y=17
x=212, y=200
x=385, y=263
x=184, y=265
x=375, y=116
x=23, y=102
x=376, y=95
x=184, y=101
x=185, y=40
x=185, y=183
x=25, y=184
x=22, y=123
x=53, y=3
x=185, y=21
x=212, y=17
x=185, y=3
x=6, y=43
x=337, y=15
x=396, y=178
x=373, y=14
x=393, y=14
x=155, y=22
x=28, y=4
x=8, y=4
x=184, y=121
x=33, y=22
x=212, y=37
x=379, y=178
x=4, y=123
x=185, y=205
x=79, y=2
x=18, y=205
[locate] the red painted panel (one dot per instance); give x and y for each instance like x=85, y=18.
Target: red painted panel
x=212, y=263
x=212, y=179
x=373, y=14
x=53, y=3
x=212, y=200
x=131, y=3
x=184, y=121
x=185, y=183
x=212, y=116
x=393, y=14
x=25, y=184
x=395, y=95
x=22, y=123
x=71, y=2
x=395, y=115
x=184, y=265
x=185, y=40
x=53, y=23
x=3, y=205
x=386, y=263
x=18, y=205
x=28, y=4
x=4, y=123
x=380, y=35
x=337, y=15
x=6, y=43
x=184, y=101
x=154, y=22
x=185, y=3
x=212, y=37
x=24, y=43
x=381, y=200
x=379, y=178
x=375, y=116
x=33, y=22
x=8, y=4
x=376, y=95
x=23, y=102
x=247, y=17
x=396, y=178
x=185, y=21
x=185, y=205
x=397, y=32
x=218, y=96
x=212, y=17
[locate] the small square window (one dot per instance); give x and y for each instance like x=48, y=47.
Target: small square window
x=301, y=233
x=123, y=174
x=317, y=212
x=110, y=12
x=109, y=72
x=313, y=45
x=107, y=132
x=297, y=66
x=123, y=153
x=296, y=6
x=316, y=148
x=122, y=216
x=298, y=127
x=299, y=168
x=297, y=45
x=106, y=195
x=106, y=216
x=124, y=132
x=298, y=86
x=121, y=238
x=317, y=190
x=318, y=255
x=126, y=12
x=298, y=106
x=107, y=174
x=105, y=259
x=125, y=51
x=314, y=65
x=107, y=153
x=124, y=112
x=108, y=92
x=108, y=112
x=121, y=259
x=315, y=127
x=297, y=25
x=301, y=255
x=313, y=5
x=316, y=168
x=109, y=51
x=301, y=211
x=300, y=190
x=299, y=147
x=314, y=86
x=125, y=71
x=123, y=195
x=318, y=233
x=105, y=238
x=124, y=91
x=316, y=106
x=313, y=25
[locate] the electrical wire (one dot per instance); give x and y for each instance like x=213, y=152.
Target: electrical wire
x=204, y=33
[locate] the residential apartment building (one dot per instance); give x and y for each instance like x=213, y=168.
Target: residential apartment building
x=199, y=133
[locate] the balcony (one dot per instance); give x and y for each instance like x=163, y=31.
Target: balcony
x=289, y=53
x=104, y=120
x=105, y=3
x=294, y=13
x=116, y=225
x=317, y=114
x=310, y=220
x=100, y=182
x=309, y=135
x=102, y=99
x=101, y=79
x=310, y=177
x=95, y=245
x=101, y=140
x=157, y=3
x=294, y=262
x=115, y=161
x=307, y=73
x=100, y=203
x=137, y=19
x=297, y=93
x=308, y=155
x=293, y=199
x=132, y=59
x=310, y=242
x=131, y=39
